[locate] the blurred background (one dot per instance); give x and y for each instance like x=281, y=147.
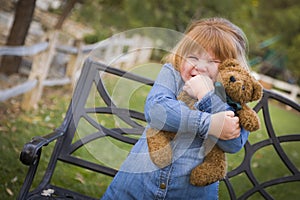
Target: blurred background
x=273, y=29
x=29, y=28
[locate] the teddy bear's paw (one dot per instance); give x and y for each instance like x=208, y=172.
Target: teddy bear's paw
x=211, y=170
x=249, y=120
x=162, y=158
x=250, y=125
x=205, y=176
x=159, y=146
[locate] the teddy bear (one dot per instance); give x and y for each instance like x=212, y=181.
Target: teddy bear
x=237, y=87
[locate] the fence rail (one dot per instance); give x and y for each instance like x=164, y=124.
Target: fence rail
x=285, y=89
x=44, y=52
x=17, y=90
x=23, y=50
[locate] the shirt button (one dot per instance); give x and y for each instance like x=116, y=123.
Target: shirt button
x=162, y=186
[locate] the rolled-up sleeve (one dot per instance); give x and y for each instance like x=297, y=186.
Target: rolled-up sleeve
x=212, y=103
x=234, y=145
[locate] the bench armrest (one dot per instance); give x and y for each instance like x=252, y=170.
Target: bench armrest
x=30, y=150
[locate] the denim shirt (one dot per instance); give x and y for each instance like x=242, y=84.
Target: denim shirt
x=138, y=178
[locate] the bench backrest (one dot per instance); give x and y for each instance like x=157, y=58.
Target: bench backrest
x=105, y=118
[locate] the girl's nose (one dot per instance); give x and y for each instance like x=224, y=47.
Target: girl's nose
x=200, y=68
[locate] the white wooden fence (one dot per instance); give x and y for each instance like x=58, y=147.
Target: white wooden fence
x=288, y=90
x=117, y=51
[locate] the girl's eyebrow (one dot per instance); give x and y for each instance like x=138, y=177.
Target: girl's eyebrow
x=192, y=55
x=215, y=60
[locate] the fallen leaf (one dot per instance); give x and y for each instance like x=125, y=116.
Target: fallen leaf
x=14, y=179
x=80, y=178
x=9, y=191
x=47, y=193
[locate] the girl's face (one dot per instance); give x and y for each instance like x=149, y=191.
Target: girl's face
x=195, y=64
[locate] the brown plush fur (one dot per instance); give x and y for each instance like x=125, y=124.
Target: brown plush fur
x=242, y=88
x=212, y=169
x=159, y=146
x=159, y=140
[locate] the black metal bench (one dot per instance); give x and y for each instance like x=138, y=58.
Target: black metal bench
x=95, y=112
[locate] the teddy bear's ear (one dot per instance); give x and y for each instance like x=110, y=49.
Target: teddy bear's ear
x=257, y=90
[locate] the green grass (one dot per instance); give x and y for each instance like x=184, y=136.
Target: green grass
x=266, y=164
x=17, y=127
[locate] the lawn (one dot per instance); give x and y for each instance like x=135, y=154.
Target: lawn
x=17, y=127
x=266, y=164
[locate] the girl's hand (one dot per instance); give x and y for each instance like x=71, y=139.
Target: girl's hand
x=224, y=125
x=198, y=86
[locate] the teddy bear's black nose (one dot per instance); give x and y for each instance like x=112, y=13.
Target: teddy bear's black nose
x=232, y=79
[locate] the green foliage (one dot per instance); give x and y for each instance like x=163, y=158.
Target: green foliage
x=91, y=38
x=293, y=51
x=281, y=18
x=260, y=20
x=97, y=36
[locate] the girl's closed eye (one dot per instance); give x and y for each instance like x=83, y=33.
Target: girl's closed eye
x=214, y=61
x=193, y=60
x=193, y=57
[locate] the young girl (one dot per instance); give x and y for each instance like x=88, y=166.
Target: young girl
x=193, y=66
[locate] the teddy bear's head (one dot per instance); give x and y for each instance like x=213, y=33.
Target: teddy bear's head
x=239, y=85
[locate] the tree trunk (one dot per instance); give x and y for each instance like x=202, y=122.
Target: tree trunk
x=66, y=11
x=18, y=32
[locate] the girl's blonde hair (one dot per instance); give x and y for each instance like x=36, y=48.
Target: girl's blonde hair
x=216, y=35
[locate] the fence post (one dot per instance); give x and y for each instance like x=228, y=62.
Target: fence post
x=74, y=63
x=39, y=71
x=145, y=50
x=294, y=92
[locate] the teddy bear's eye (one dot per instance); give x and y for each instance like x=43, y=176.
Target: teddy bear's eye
x=232, y=79
x=243, y=87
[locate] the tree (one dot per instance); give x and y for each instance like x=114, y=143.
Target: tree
x=66, y=11
x=22, y=19
x=281, y=18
